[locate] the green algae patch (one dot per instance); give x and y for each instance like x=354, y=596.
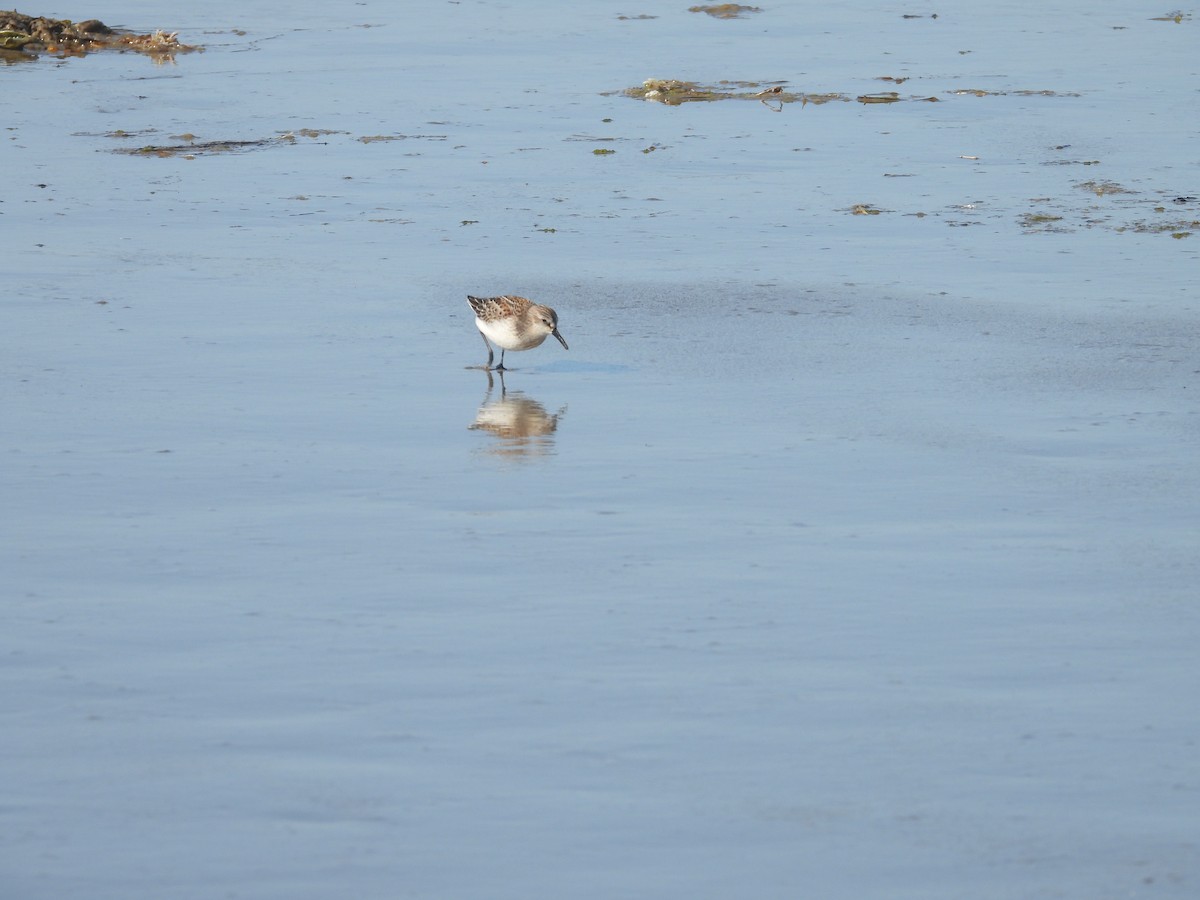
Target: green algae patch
x=1104, y=188
x=892, y=97
x=980, y=92
x=818, y=99
x=674, y=92
x=1176, y=228
x=1041, y=222
x=1127, y=212
x=12, y=39
x=725, y=10
x=315, y=133
x=866, y=209
x=117, y=134
x=191, y=148
x=29, y=35
x=382, y=138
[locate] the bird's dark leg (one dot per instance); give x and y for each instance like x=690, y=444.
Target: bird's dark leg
x=500, y=368
x=491, y=355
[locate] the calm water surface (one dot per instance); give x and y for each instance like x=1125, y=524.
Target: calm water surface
x=843, y=555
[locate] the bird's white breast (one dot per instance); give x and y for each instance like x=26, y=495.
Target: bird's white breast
x=503, y=333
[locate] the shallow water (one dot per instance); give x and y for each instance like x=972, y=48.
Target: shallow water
x=842, y=555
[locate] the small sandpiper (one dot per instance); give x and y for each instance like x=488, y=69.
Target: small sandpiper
x=514, y=323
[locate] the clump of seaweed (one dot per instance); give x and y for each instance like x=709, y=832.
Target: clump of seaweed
x=379, y=138
x=724, y=10
x=674, y=92
x=1041, y=222
x=193, y=147
x=1103, y=188
x=1177, y=228
x=27, y=35
x=980, y=92
x=1177, y=16
x=892, y=97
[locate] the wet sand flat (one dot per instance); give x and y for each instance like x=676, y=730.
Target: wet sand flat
x=850, y=551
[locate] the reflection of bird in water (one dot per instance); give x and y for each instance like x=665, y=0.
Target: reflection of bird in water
x=523, y=425
x=514, y=323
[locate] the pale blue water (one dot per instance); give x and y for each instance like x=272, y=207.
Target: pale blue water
x=842, y=556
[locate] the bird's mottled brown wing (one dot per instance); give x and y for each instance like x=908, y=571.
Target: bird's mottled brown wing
x=491, y=308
